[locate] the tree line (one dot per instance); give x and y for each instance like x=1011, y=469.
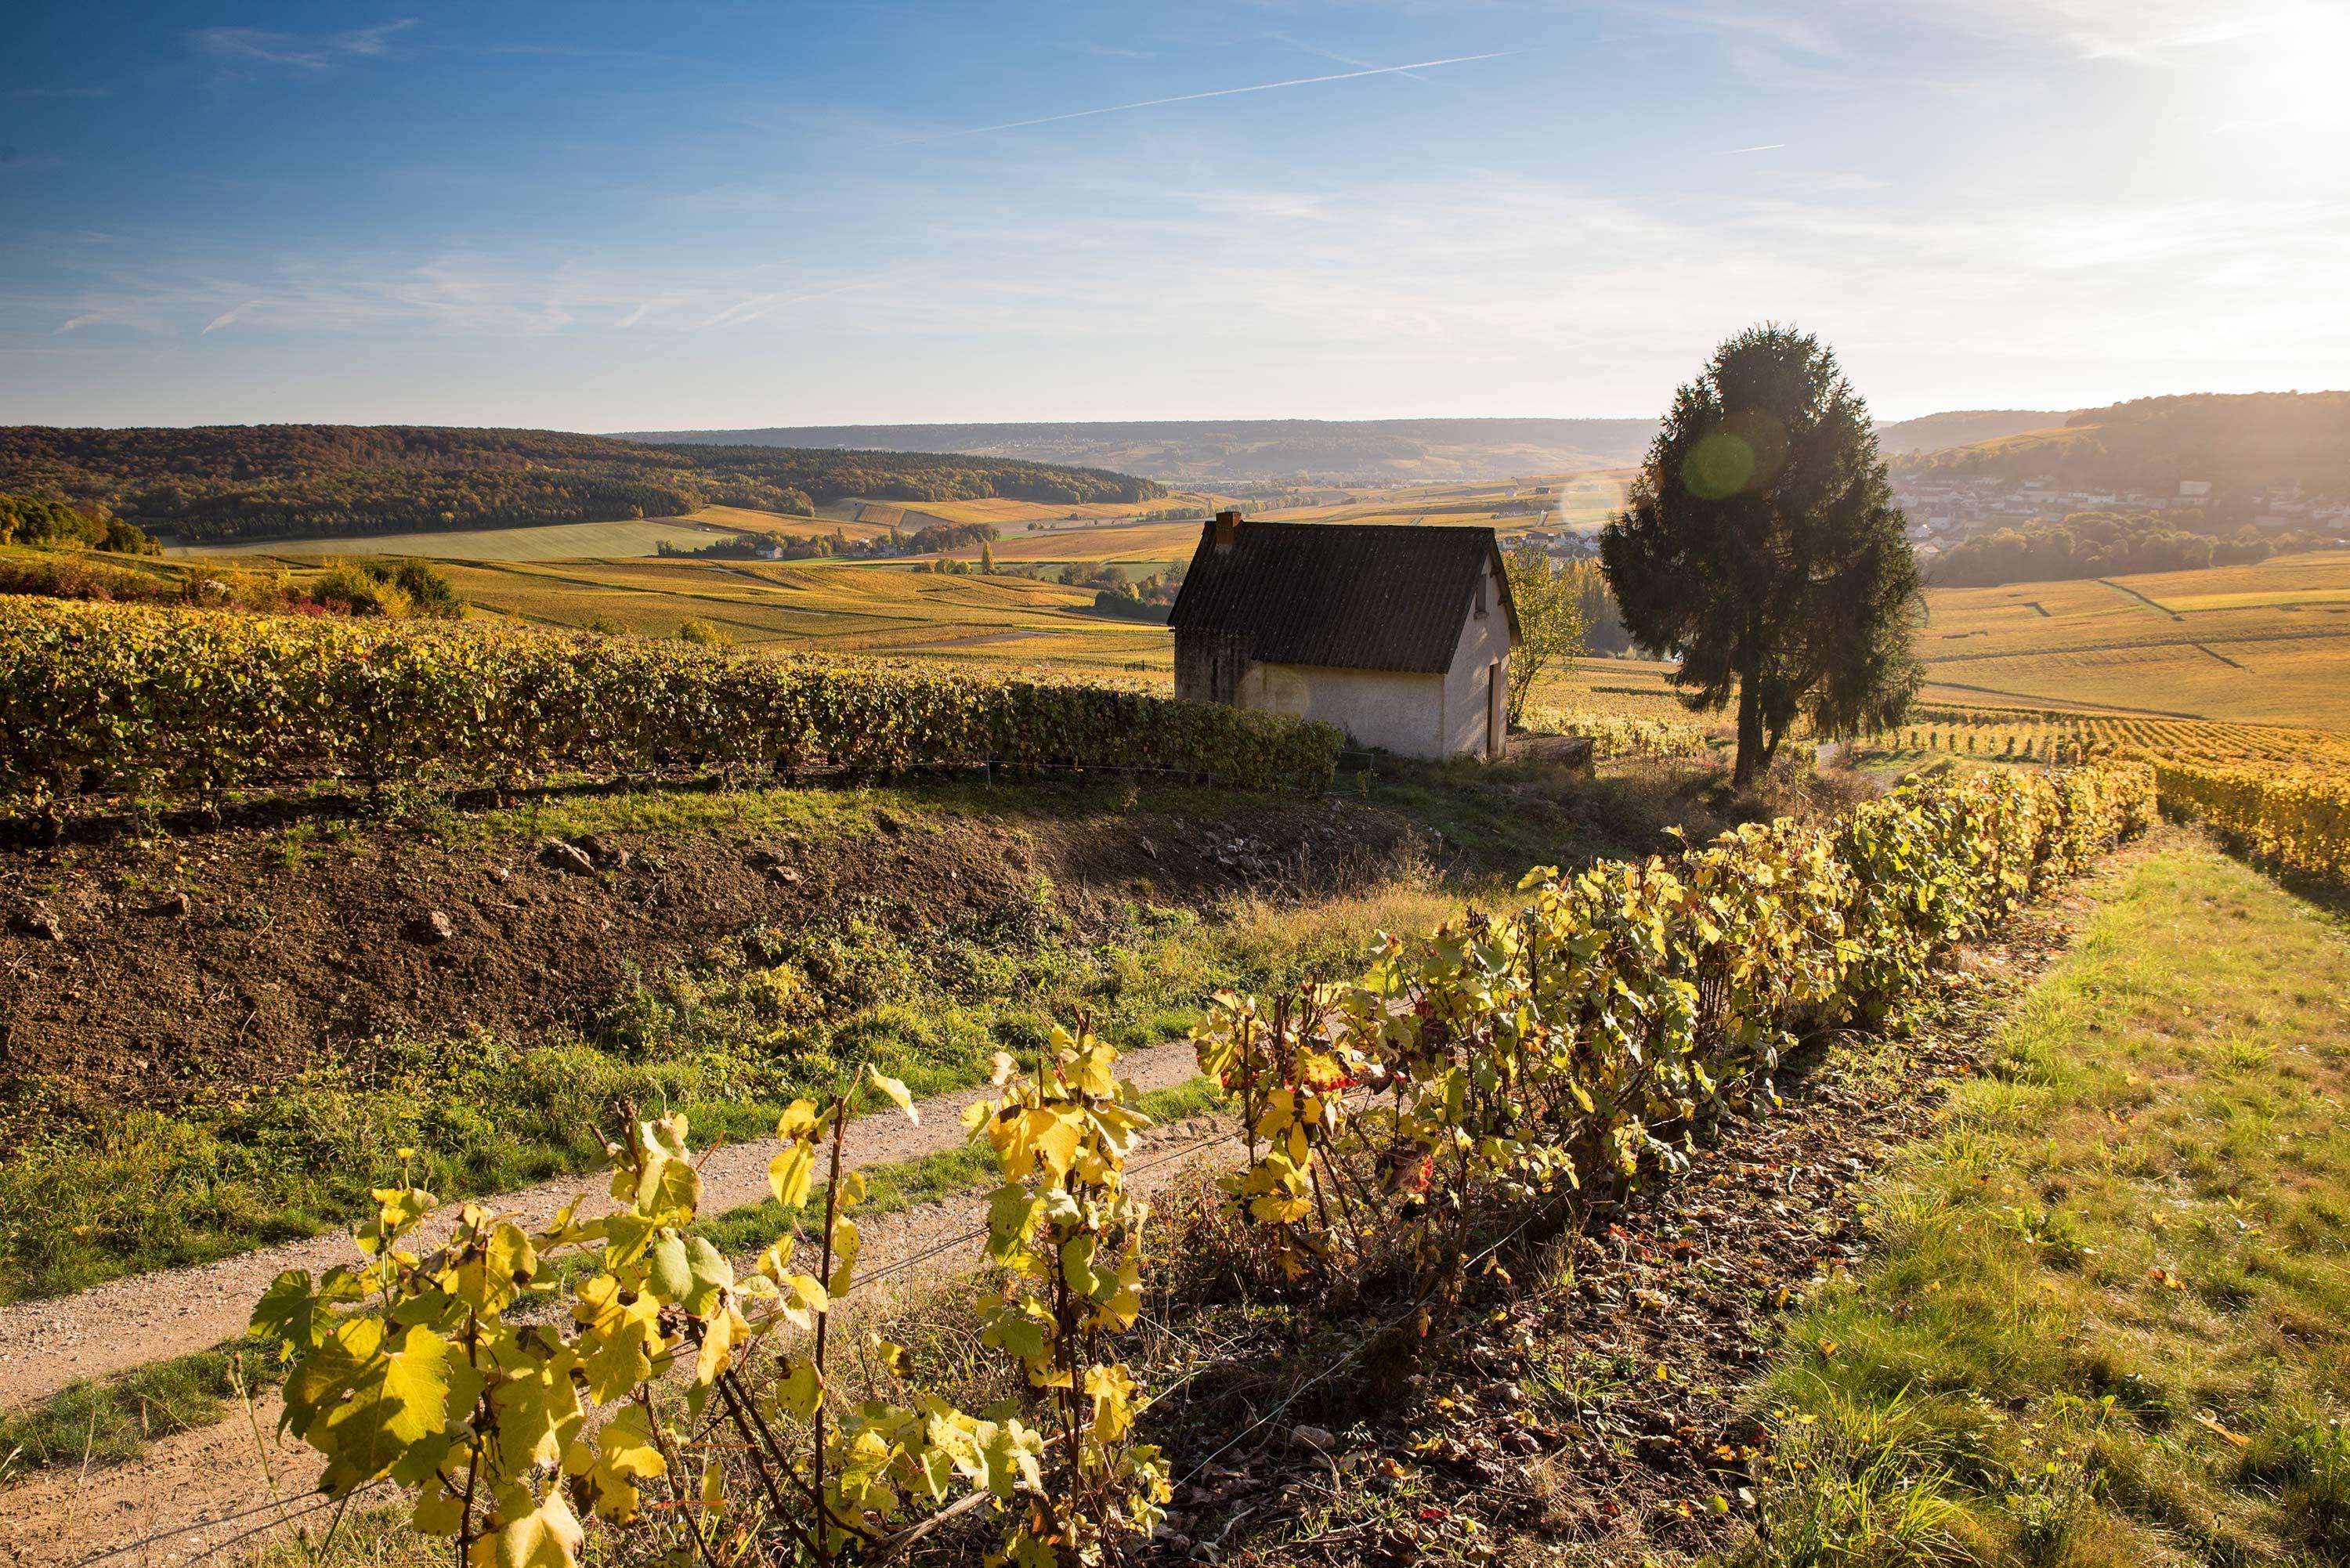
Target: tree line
x=218, y=483
x=760, y=544
x=54, y=526
x=2094, y=545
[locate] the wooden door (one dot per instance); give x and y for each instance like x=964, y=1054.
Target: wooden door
x=1497, y=714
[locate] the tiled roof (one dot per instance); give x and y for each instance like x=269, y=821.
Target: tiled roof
x=1354, y=595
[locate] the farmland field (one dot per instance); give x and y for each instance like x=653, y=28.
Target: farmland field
x=830, y=607
x=553, y=541
x=1577, y=501
x=2264, y=643
x=635, y=537
x=1011, y=514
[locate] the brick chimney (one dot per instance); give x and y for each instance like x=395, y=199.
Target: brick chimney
x=1226, y=529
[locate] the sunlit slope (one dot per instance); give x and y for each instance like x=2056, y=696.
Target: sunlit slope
x=829, y=608
x=2267, y=642
x=550, y=540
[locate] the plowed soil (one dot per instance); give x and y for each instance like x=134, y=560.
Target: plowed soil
x=139, y=972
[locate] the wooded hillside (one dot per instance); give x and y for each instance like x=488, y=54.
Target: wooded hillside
x=222, y=482
x=2237, y=442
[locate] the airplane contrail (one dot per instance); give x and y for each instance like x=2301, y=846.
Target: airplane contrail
x=1766, y=147
x=1196, y=96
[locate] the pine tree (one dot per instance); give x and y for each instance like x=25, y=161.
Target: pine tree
x=1761, y=546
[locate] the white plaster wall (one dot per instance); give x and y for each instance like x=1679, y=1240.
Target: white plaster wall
x=1402, y=713
x=1435, y=716
x=1484, y=639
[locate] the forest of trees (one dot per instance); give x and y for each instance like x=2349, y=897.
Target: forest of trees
x=54, y=526
x=757, y=545
x=217, y=484
x=2093, y=544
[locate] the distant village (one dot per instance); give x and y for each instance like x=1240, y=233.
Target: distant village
x=1943, y=512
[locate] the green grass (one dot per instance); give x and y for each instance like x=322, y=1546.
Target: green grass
x=2107, y=1319
x=89, y=1193
x=110, y=1420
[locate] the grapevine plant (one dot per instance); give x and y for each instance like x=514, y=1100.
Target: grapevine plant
x=2293, y=819
x=1584, y=1038
x=1589, y=1034
x=517, y=1412
x=137, y=699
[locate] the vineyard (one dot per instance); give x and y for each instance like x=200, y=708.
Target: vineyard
x=1620, y=735
x=2262, y=643
x=2281, y=794
x=1413, y=1123
x=2294, y=822
x=102, y=702
x=2038, y=734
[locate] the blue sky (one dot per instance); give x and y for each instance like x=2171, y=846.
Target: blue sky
x=606, y=217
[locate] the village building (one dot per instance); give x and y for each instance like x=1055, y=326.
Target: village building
x=1398, y=635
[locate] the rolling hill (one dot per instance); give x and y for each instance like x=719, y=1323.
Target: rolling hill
x=1187, y=451
x=2239, y=444
x=220, y=483
x=1193, y=452
x=2265, y=642
x=1936, y=432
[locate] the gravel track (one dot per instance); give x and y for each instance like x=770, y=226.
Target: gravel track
x=126, y=1322
x=199, y=1492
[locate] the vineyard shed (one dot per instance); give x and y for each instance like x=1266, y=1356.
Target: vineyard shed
x=1400, y=636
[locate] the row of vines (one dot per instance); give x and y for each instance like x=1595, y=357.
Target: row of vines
x=1620, y=734
x=2282, y=793
x=1486, y=1070
x=2290, y=820
x=2052, y=735
x=98, y=699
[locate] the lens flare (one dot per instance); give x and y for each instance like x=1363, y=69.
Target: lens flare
x=1719, y=466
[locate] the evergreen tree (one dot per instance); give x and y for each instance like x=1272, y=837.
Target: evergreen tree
x=1761, y=546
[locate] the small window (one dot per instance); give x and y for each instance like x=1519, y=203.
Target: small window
x=1481, y=592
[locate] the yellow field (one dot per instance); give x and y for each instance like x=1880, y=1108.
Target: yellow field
x=826, y=606
x=1576, y=501
x=744, y=520
x=1031, y=531
x=1013, y=513
x=1131, y=543
x=2267, y=642
x=551, y=542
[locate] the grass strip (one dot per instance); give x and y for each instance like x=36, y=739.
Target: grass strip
x=2107, y=1319
x=113, y=1419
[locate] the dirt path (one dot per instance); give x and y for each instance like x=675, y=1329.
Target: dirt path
x=127, y=1323
x=217, y=1492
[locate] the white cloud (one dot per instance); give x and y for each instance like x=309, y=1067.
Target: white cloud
x=2143, y=30
x=308, y=52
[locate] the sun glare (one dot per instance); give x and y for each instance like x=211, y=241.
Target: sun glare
x=2297, y=73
